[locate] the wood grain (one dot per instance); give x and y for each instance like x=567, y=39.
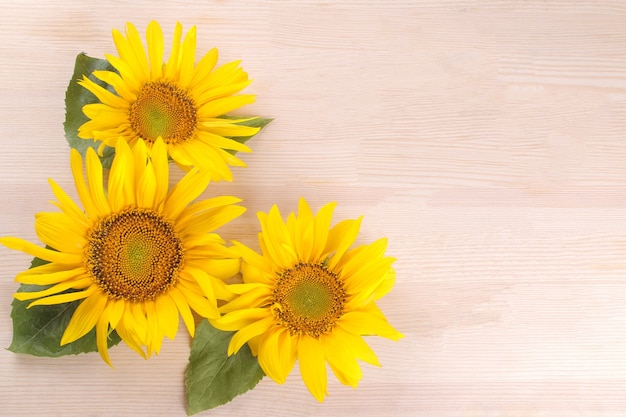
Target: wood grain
x=485, y=139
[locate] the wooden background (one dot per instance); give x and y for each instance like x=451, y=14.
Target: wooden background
x=486, y=139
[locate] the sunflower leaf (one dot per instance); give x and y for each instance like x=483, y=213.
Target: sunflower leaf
x=213, y=378
x=76, y=97
x=259, y=122
x=38, y=330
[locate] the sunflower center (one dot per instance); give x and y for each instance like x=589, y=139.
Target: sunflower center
x=135, y=255
x=308, y=299
x=163, y=109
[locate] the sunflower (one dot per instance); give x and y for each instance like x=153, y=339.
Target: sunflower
x=309, y=297
x=137, y=258
x=177, y=101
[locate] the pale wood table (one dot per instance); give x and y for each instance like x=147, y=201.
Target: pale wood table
x=486, y=139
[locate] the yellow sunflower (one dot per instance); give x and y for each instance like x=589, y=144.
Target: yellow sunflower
x=309, y=297
x=177, y=101
x=138, y=257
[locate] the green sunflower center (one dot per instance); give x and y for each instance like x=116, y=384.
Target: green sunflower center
x=134, y=255
x=308, y=299
x=163, y=109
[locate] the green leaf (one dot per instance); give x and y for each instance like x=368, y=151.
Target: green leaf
x=38, y=330
x=213, y=378
x=76, y=97
x=259, y=122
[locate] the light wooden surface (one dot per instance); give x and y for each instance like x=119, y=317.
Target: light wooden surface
x=486, y=139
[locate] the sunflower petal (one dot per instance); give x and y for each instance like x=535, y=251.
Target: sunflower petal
x=386, y=285
x=357, y=345
x=115, y=309
x=355, y=258
x=168, y=315
x=60, y=232
x=203, y=69
x=241, y=318
x=64, y=298
x=211, y=220
x=322, y=225
x=154, y=336
x=68, y=205
x=256, y=297
x=118, y=84
x=102, y=333
x=203, y=281
x=197, y=302
x=341, y=358
x=39, y=252
x=187, y=58
x=140, y=155
x=154, y=37
x=364, y=282
x=94, y=177
x=55, y=289
x=126, y=72
x=46, y=268
x=224, y=105
x=212, y=139
x=304, y=238
x=31, y=277
x=222, y=290
x=126, y=330
x=340, y=238
x=208, y=204
x=312, y=366
x=172, y=66
x=248, y=332
x=146, y=188
x=187, y=189
x=207, y=158
x=135, y=53
x=276, y=237
x=102, y=94
x=204, y=95
x=183, y=309
x=217, y=268
x=277, y=355
x=227, y=129
x=122, y=178
x=76, y=163
x=228, y=73
x=253, y=258
x=84, y=318
x=158, y=154
x=366, y=323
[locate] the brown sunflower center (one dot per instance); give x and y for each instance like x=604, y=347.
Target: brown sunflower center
x=135, y=255
x=163, y=109
x=308, y=299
